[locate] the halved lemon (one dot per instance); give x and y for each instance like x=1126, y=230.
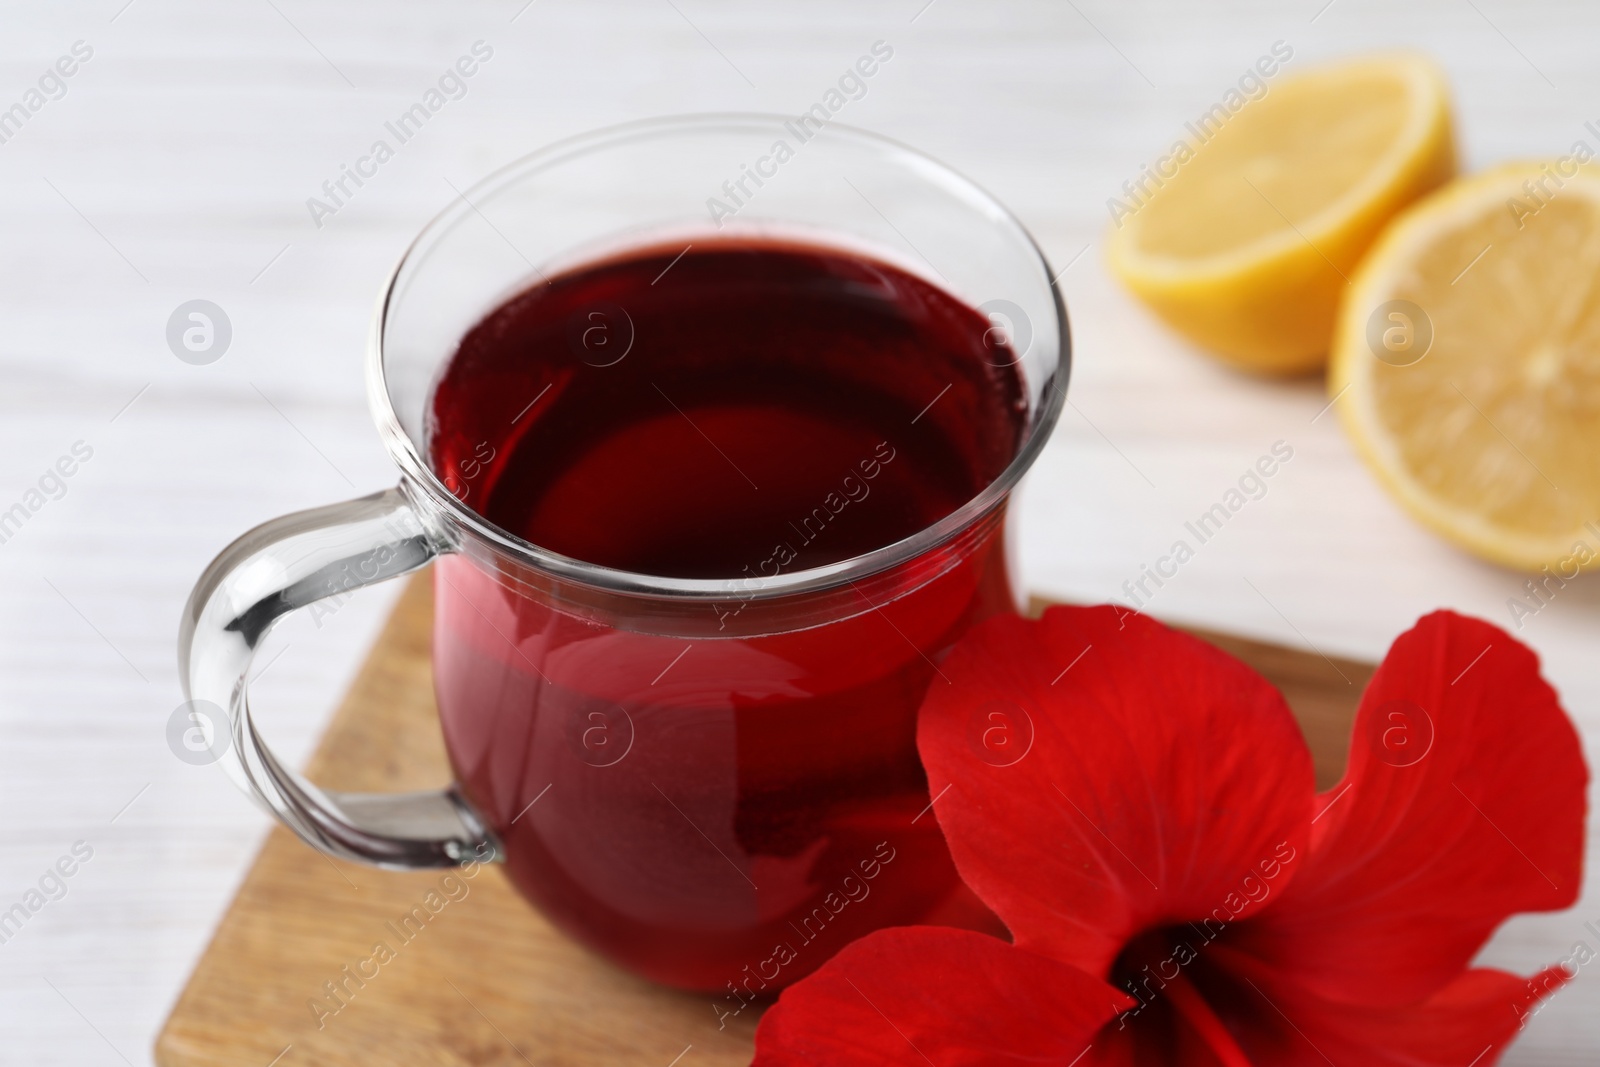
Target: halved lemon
x=1466, y=364
x=1247, y=237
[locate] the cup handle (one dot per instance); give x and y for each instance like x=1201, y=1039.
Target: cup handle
x=289, y=563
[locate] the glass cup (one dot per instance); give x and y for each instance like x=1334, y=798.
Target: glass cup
x=715, y=783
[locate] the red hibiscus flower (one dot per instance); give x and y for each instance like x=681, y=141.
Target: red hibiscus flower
x=1139, y=809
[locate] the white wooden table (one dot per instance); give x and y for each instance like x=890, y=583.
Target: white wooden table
x=177, y=166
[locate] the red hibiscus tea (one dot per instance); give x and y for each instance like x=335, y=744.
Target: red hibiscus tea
x=721, y=810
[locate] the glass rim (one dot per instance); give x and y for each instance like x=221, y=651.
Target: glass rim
x=419, y=475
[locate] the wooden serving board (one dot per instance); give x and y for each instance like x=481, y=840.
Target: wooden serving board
x=487, y=980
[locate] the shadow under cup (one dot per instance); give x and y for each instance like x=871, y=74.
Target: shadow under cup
x=714, y=783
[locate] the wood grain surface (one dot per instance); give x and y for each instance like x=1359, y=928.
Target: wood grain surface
x=486, y=980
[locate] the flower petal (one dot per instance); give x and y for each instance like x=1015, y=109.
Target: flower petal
x=920, y=994
x=1469, y=1021
x=1463, y=805
x=1097, y=774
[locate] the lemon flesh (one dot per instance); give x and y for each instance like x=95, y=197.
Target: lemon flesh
x=1489, y=432
x=1247, y=248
